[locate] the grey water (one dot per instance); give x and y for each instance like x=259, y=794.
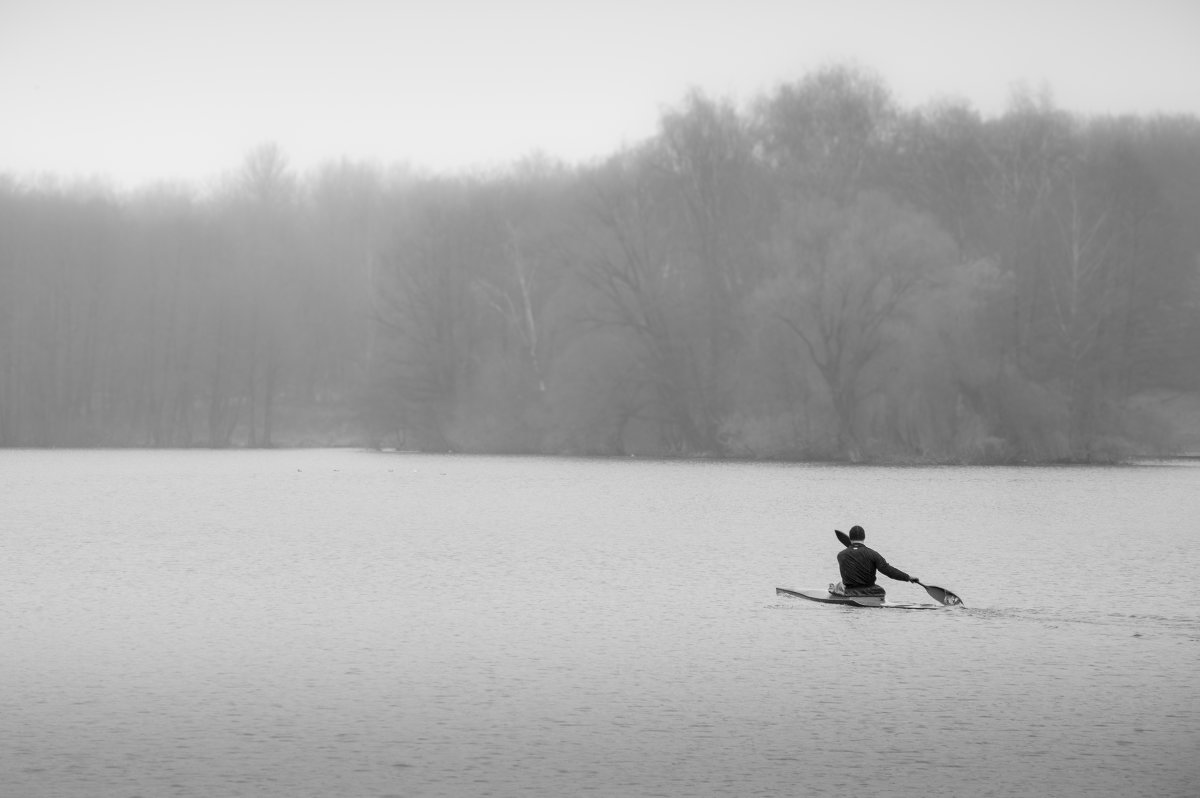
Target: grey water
x=346, y=623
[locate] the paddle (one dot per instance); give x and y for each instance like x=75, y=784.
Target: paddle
x=940, y=594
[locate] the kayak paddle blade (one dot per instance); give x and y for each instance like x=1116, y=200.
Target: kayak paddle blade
x=842, y=536
x=942, y=596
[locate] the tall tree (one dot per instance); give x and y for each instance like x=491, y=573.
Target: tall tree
x=431, y=327
x=720, y=205
x=627, y=261
x=848, y=277
x=267, y=256
x=1029, y=151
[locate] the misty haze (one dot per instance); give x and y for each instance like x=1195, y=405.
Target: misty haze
x=823, y=275
x=380, y=480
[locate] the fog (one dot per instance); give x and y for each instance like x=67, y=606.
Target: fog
x=822, y=273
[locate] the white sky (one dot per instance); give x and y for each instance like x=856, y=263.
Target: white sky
x=141, y=90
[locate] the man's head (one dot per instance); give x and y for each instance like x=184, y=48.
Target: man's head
x=857, y=533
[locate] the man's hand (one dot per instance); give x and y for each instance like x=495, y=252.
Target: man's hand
x=914, y=579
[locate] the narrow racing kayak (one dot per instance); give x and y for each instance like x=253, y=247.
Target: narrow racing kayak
x=825, y=597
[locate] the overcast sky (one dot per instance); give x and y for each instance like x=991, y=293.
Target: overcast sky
x=142, y=90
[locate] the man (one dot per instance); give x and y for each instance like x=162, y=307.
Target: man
x=858, y=565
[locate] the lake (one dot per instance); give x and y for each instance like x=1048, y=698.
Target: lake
x=346, y=623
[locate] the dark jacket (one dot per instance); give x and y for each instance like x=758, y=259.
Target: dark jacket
x=858, y=565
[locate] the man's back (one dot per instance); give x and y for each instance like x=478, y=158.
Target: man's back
x=858, y=565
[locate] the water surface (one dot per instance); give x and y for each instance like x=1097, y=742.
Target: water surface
x=340, y=623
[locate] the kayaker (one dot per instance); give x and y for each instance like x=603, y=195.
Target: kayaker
x=858, y=565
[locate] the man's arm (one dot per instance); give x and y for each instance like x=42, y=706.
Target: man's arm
x=889, y=571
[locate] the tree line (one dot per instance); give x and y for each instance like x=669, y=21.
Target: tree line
x=822, y=274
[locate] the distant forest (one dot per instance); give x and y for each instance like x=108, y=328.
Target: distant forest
x=820, y=275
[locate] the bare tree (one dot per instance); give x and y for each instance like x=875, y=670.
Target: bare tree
x=847, y=278
x=629, y=266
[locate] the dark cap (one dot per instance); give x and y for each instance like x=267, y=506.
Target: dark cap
x=857, y=533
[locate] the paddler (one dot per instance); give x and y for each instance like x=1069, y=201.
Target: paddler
x=858, y=565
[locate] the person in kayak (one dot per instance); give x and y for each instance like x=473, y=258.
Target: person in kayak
x=858, y=565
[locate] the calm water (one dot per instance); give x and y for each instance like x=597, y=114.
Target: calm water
x=336, y=623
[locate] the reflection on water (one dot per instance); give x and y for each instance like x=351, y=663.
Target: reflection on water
x=342, y=623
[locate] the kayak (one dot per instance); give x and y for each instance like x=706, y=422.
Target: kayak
x=825, y=597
